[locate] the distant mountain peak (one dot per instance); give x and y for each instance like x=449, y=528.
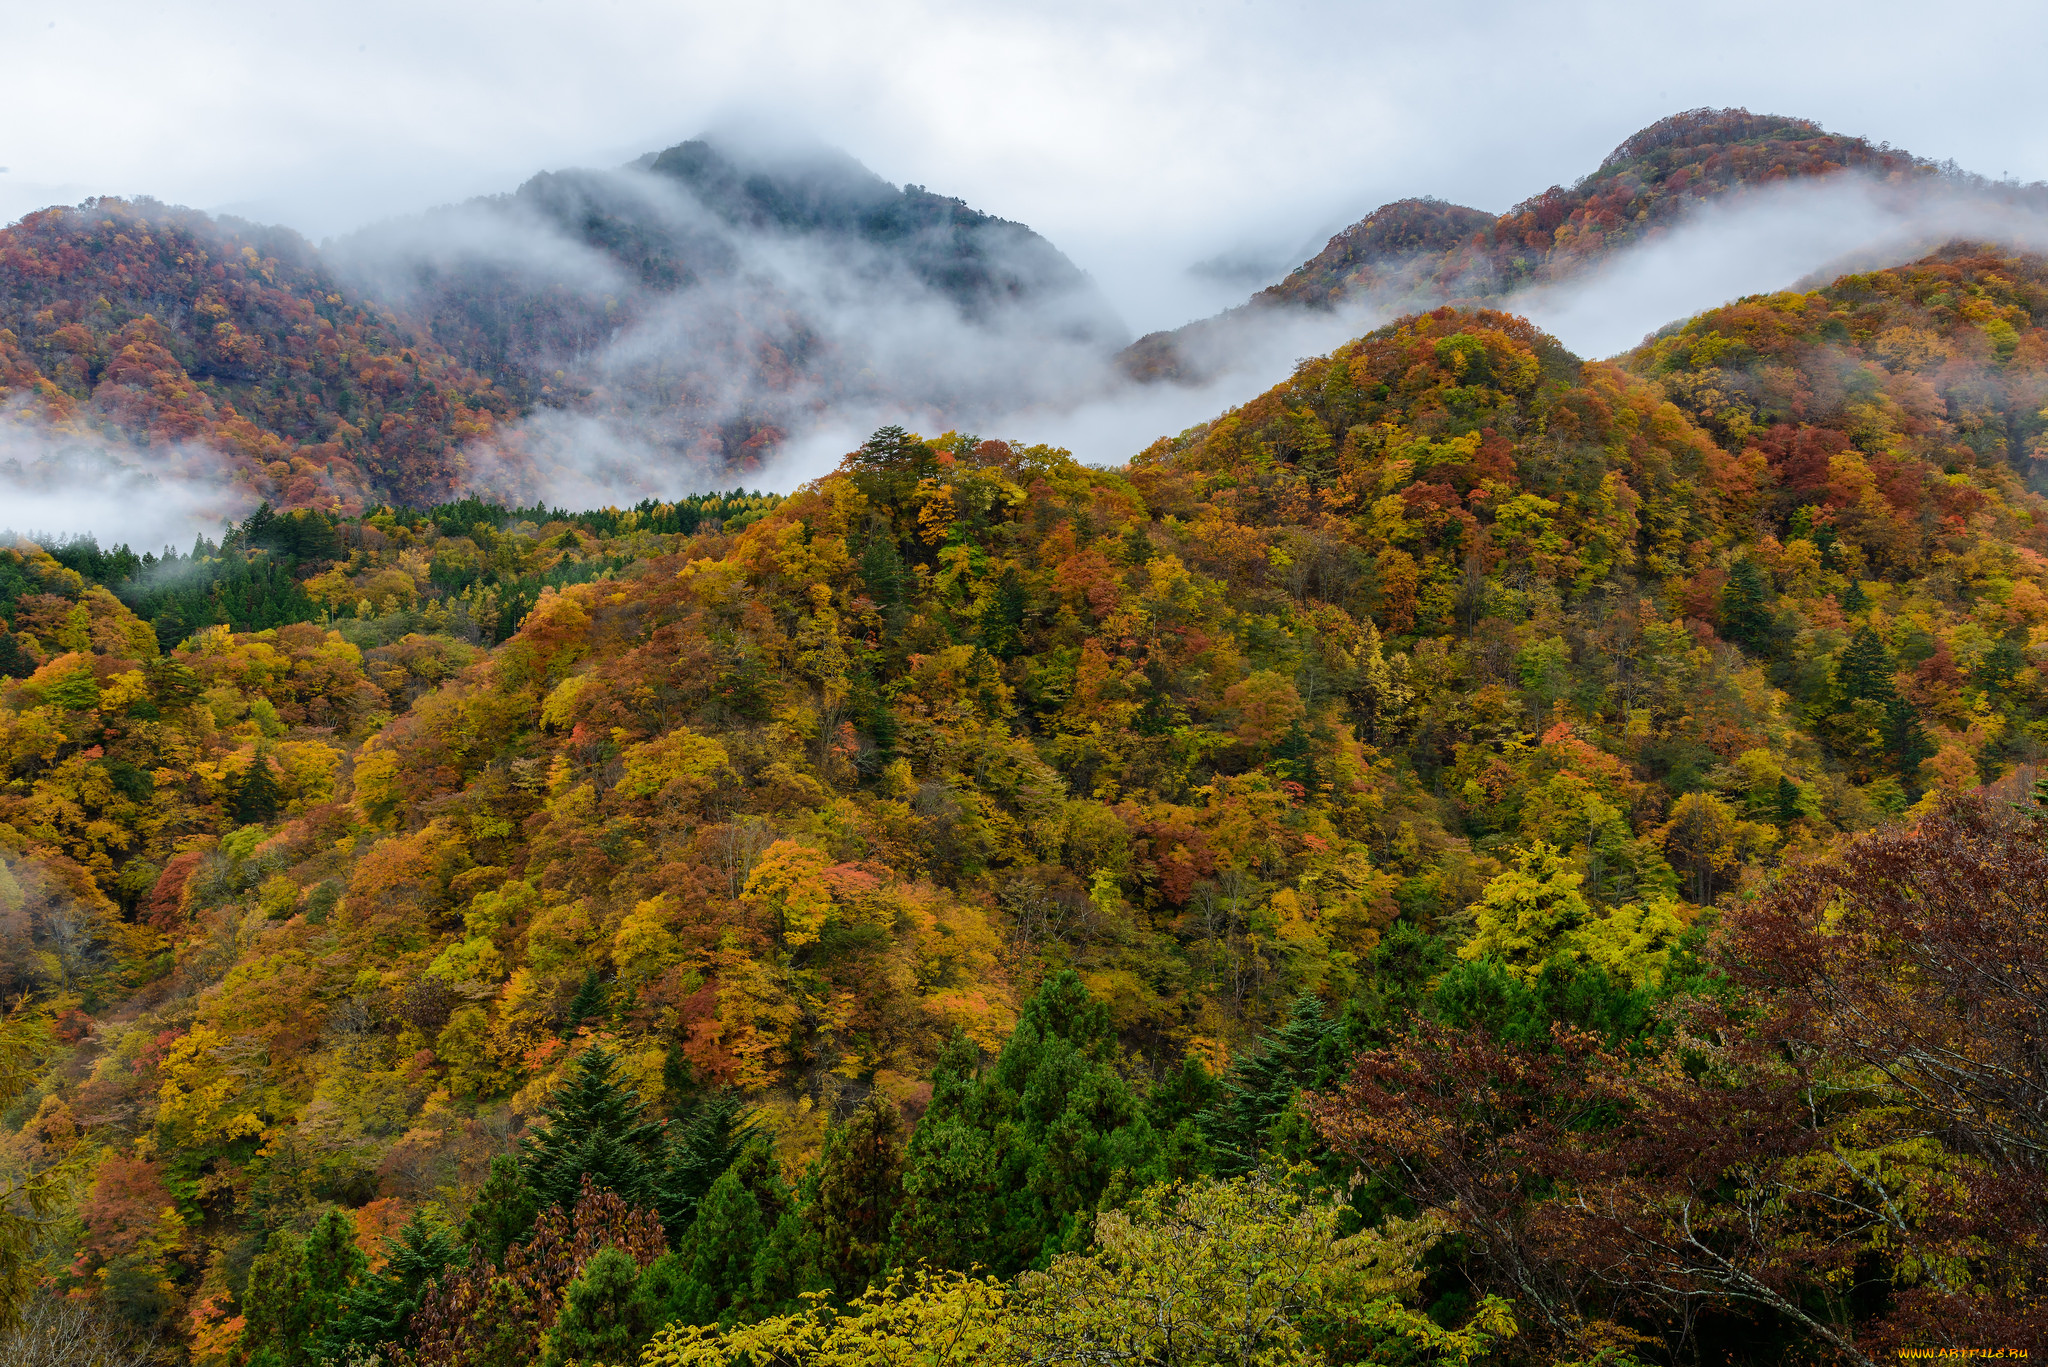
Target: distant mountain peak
x=1418, y=252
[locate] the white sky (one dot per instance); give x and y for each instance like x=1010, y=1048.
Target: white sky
x=1139, y=136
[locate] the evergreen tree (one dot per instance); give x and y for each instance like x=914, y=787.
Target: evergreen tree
x=1745, y=606
x=732, y=1226
x=589, y=999
x=1905, y=737
x=594, y=1125
x=1294, y=755
x=381, y=1306
x=1787, y=801
x=256, y=796
x=1864, y=672
x=598, y=1322
x=2002, y=663
x=274, y=1309
x=334, y=1265
x=665, y=1294
x=1002, y=622
x=859, y=1184
x=952, y=1210
x=1853, y=598
x=502, y=1214
x=1262, y=1083
x=882, y=573
x=1009, y=1166
x=709, y=1136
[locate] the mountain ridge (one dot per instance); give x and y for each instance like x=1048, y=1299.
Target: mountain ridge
x=1653, y=180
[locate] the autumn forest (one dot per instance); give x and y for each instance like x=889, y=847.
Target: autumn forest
x=1473, y=855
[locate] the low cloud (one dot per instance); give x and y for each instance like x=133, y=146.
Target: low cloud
x=1803, y=234
x=58, y=484
x=694, y=352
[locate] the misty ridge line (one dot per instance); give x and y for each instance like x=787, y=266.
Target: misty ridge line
x=684, y=346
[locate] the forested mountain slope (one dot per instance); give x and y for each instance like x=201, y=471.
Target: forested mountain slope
x=229, y=350
x=920, y=866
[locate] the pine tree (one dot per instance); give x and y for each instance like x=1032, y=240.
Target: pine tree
x=882, y=573
x=381, y=1306
x=334, y=1265
x=859, y=1185
x=666, y=1295
x=1002, y=622
x=1176, y=1108
x=1262, y=1084
x=275, y=1305
x=1788, y=801
x=1294, y=755
x=594, y=1125
x=598, y=1323
x=1745, y=606
x=502, y=1213
x=712, y=1134
x=1905, y=738
x=1865, y=669
x=256, y=796
x=733, y=1223
x=1009, y=1165
x=589, y=999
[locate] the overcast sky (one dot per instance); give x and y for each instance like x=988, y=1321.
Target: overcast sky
x=1140, y=136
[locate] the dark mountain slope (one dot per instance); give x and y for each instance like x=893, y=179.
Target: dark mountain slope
x=702, y=301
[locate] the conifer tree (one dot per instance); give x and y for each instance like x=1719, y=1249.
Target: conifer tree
x=256, y=794
x=334, y=1265
x=859, y=1184
x=709, y=1136
x=1745, y=606
x=1865, y=669
x=1009, y=1166
x=594, y=1126
x=1262, y=1083
x=732, y=1226
x=1787, y=801
x=1002, y=622
x=599, y=1321
x=274, y=1309
x=381, y=1306
x=589, y=999
x=502, y=1213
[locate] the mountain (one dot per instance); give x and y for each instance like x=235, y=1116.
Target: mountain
x=678, y=318
x=1418, y=252
x=702, y=302
x=229, y=351
x=1458, y=708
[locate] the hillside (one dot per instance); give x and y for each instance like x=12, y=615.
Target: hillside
x=229, y=350
x=1420, y=252
x=949, y=851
